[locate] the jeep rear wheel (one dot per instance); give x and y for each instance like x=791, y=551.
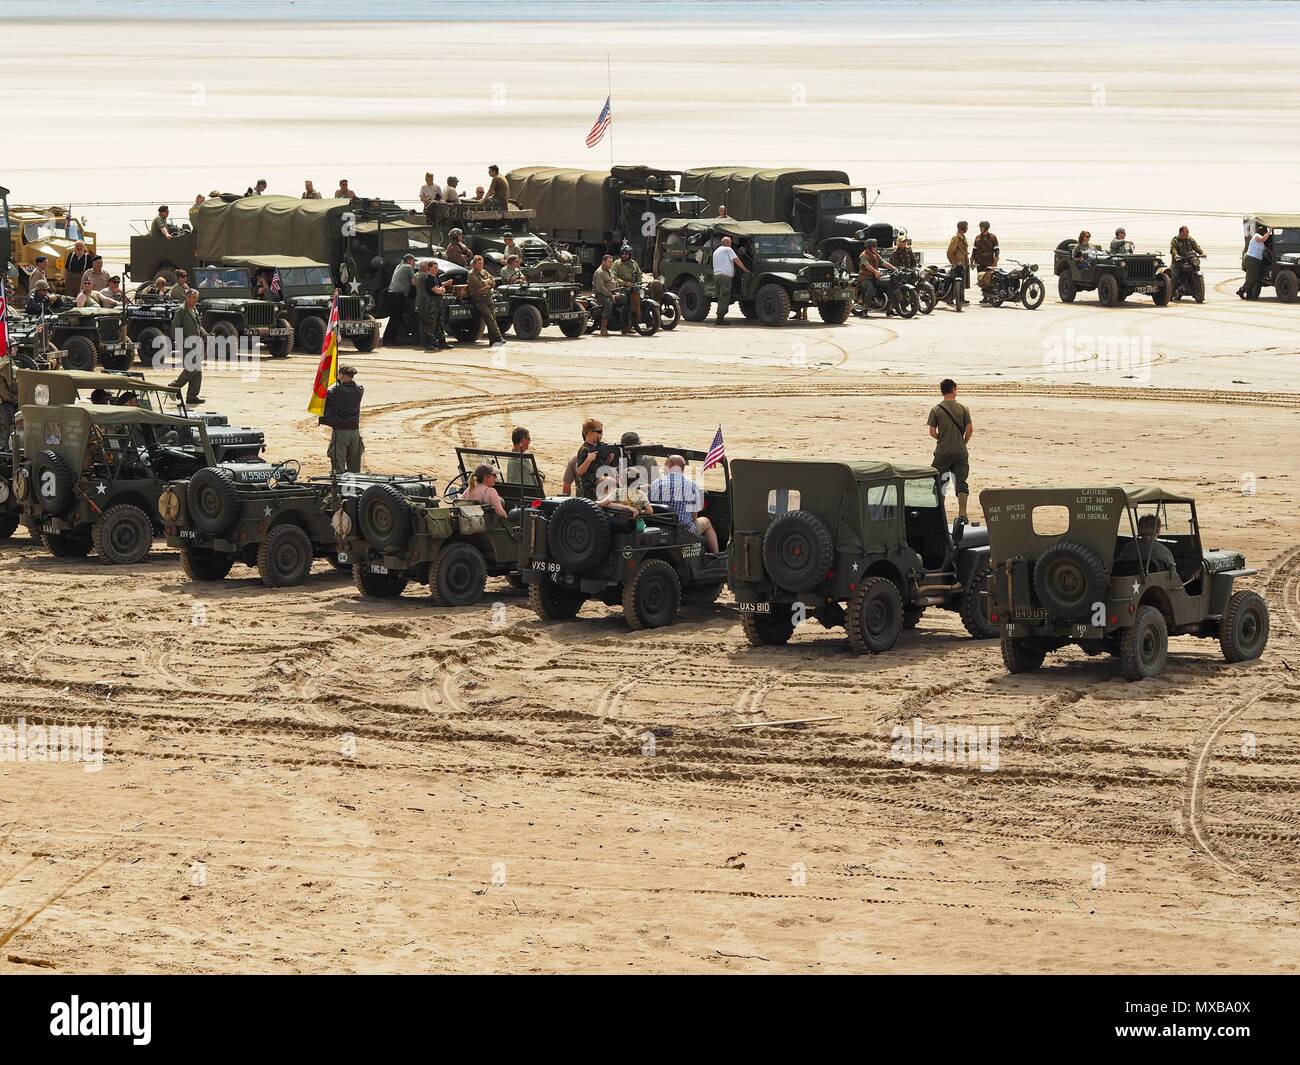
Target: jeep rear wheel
x=974, y=605
x=79, y=354
x=1069, y=580
x=578, y=534
x=527, y=322
x=772, y=304
x=284, y=558
x=53, y=482
x=797, y=551
x=912, y=616
x=700, y=596
x=1021, y=656
x=123, y=535
x=458, y=575
x=771, y=630
x=1285, y=285
x=384, y=517
x=747, y=309
x=836, y=312
x=212, y=500
x=1108, y=291
x=377, y=585
x=695, y=304
x=311, y=334
x=652, y=598
x=202, y=564
x=553, y=603
x=1144, y=646
x=1243, y=631
x=8, y=524
x=1066, y=289
x=875, y=616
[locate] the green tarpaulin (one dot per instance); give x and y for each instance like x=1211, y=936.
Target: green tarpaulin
x=564, y=198
x=751, y=192
x=269, y=225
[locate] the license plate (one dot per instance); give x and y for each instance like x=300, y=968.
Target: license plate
x=548, y=567
x=561, y=316
x=349, y=328
x=279, y=332
x=1025, y=613
x=460, y=312
x=1146, y=290
x=188, y=534
x=802, y=294
x=754, y=608
x=379, y=569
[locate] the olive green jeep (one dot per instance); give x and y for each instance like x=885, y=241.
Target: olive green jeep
x=864, y=545
x=1113, y=570
x=305, y=290
x=1114, y=275
x=229, y=310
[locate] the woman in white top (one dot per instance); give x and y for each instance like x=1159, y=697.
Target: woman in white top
x=482, y=489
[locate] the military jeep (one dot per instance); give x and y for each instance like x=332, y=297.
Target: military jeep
x=782, y=277
x=1114, y=275
x=572, y=549
x=1072, y=566
x=89, y=475
x=864, y=544
x=229, y=310
x=538, y=304
x=395, y=533
x=1282, y=268
x=306, y=294
x=91, y=336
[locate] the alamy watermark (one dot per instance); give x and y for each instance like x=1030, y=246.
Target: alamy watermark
x=25, y=742
x=1125, y=356
x=920, y=742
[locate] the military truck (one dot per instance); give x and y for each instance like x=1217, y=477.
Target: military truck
x=1115, y=571
x=36, y=231
x=89, y=475
x=230, y=310
x=1114, y=276
x=781, y=277
x=861, y=544
x=592, y=212
x=572, y=549
x=306, y=292
x=259, y=514
x=484, y=229
x=401, y=532
x=1282, y=269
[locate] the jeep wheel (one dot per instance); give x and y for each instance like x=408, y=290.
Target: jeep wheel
x=79, y=354
x=771, y=630
x=310, y=335
x=527, y=322
x=836, y=312
x=201, y=564
x=1066, y=289
x=772, y=304
x=1243, y=632
x=747, y=309
x=875, y=616
x=1021, y=656
x=797, y=551
x=122, y=360
x=377, y=585
x=123, y=535
x=279, y=347
x=153, y=347
x=974, y=605
x=225, y=331
x=457, y=575
x=384, y=517
x=1069, y=579
x=553, y=603
x=1164, y=290
x=1285, y=285
x=212, y=500
x=695, y=304
x=66, y=545
x=364, y=342
x=648, y=326
x=8, y=525
x=652, y=598
x=1144, y=647
x=1108, y=291
x=284, y=558
x=578, y=535
x=1033, y=294
x=53, y=481
x=575, y=327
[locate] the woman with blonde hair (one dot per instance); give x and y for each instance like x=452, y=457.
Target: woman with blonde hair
x=482, y=489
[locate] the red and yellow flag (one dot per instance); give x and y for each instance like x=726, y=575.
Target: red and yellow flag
x=328, y=370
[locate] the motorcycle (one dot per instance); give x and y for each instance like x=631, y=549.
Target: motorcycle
x=670, y=310
x=925, y=293
x=894, y=292
x=1022, y=285
x=948, y=285
x=648, y=326
x=1188, y=279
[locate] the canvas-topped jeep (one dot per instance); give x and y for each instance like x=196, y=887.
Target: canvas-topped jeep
x=1114, y=275
x=229, y=309
x=401, y=532
x=541, y=303
x=571, y=549
x=306, y=295
x=1113, y=570
x=91, y=336
x=864, y=544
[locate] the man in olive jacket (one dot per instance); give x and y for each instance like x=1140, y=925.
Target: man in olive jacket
x=190, y=339
x=343, y=415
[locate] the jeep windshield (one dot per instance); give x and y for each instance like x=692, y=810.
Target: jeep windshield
x=221, y=277
x=778, y=245
x=920, y=492
x=306, y=277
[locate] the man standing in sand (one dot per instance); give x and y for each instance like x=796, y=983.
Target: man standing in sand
x=725, y=262
x=959, y=252
x=985, y=256
x=951, y=428
x=342, y=414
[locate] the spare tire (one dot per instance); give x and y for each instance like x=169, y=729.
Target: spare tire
x=53, y=481
x=384, y=517
x=1069, y=578
x=797, y=551
x=212, y=500
x=578, y=535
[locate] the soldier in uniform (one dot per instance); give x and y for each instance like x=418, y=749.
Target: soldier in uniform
x=1121, y=245
x=512, y=273
x=871, y=268
x=342, y=414
x=951, y=428
x=181, y=288
x=161, y=226
x=903, y=256
x=498, y=190
x=97, y=274
x=984, y=257
x=509, y=247
x=627, y=272
x=41, y=300
x=604, y=285
x=1185, y=245
x=430, y=289
x=37, y=275
x=480, y=294
x=457, y=251
x=193, y=337
x=959, y=252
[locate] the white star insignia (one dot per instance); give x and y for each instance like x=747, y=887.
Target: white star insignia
x=100, y=489
x=855, y=567
x=355, y=286
x=267, y=512
x=1137, y=587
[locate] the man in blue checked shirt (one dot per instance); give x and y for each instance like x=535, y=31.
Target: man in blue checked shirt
x=685, y=497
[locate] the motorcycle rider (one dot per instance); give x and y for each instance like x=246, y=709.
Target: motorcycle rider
x=903, y=256
x=1185, y=245
x=1185, y=254
x=871, y=271
x=627, y=271
x=984, y=256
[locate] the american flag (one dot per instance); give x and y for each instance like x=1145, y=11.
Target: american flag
x=602, y=123
x=276, y=287
x=717, y=452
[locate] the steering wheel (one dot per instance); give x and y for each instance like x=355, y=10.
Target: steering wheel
x=286, y=471
x=455, y=486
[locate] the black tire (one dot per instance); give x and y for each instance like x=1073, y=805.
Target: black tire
x=553, y=603
x=201, y=564
x=468, y=332
x=365, y=342
x=152, y=347
x=457, y=575
x=123, y=535
x=122, y=360
x=768, y=630
x=701, y=596
x=875, y=616
x=669, y=315
x=974, y=606
x=384, y=517
x=1069, y=579
x=79, y=353
x=1033, y=293
x=1164, y=290
x=578, y=535
x=694, y=301
x=527, y=322
x=906, y=303
x=310, y=335
x=1285, y=285
x=1198, y=289
x=377, y=585
x=284, y=558
x=1108, y=291
x=1144, y=646
x=772, y=304
x=747, y=310
x=1066, y=290
x=835, y=312
x=53, y=482
x=66, y=545
x=653, y=597
x=797, y=551
x=1021, y=656
x=926, y=297
x=212, y=500
x=648, y=326
x=8, y=525
x=224, y=330
x=1243, y=631
x=574, y=328
x=279, y=347
x=959, y=295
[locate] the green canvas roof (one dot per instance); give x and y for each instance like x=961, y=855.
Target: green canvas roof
x=754, y=192
x=563, y=197
x=100, y=415
x=268, y=262
x=826, y=186
x=1275, y=221
x=267, y=225
x=1133, y=494
x=732, y=227
x=1153, y=494
x=64, y=384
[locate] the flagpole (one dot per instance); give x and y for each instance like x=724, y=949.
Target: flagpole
x=609, y=90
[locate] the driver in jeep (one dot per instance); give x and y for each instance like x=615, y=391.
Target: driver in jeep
x=1147, y=548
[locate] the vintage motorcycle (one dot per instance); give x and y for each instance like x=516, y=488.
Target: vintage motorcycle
x=949, y=285
x=648, y=326
x=1021, y=285
x=1187, y=276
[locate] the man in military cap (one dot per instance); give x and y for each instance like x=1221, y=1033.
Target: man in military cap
x=480, y=295
x=38, y=273
x=498, y=190
x=457, y=251
x=161, y=226
x=41, y=300
x=627, y=272
x=429, y=303
x=871, y=270
x=97, y=274
x=1121, y=245
x=1184, y=245
x=192, y=338
x=959, y=252
x=903, y=256
x=984, y=257
x=342, y=414
x=88, y=297
x=509, y=247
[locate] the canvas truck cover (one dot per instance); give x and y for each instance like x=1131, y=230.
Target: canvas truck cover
x=268, y=225
x=1094, y=518
x=1274, y=220
x=63, y=385
x=731, y=227
x=749, y=192
x=564, y=198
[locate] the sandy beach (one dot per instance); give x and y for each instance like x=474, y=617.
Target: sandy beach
x=303, y=781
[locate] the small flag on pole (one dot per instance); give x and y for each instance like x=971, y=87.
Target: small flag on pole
x=276, y=286
x=4, y=327
x=328, y=370
x=717, y=452
x=602, y=124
